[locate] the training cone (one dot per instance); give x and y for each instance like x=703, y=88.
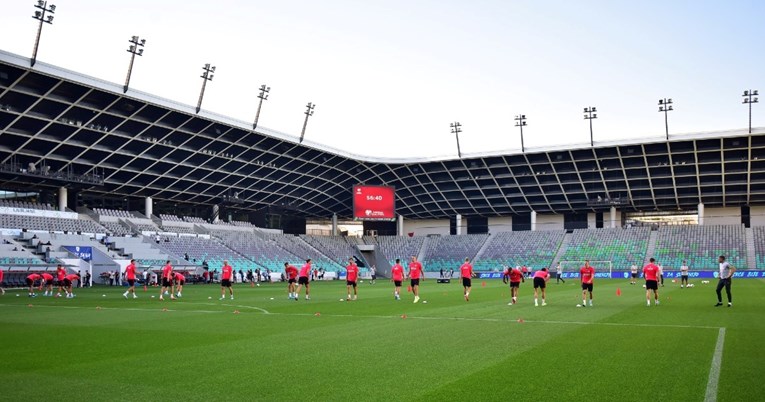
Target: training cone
x=98, y=307
x=403, y=316
x=318, y=314
x=144, y=288
x=618, y=291
x=483, y=284
x=29, y=305
x=520, y=321
x=409, y=289
x=164, y=309
x=236, y=311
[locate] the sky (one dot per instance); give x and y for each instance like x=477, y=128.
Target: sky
x=388, y=77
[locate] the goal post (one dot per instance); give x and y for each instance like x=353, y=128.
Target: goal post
x=605, y=267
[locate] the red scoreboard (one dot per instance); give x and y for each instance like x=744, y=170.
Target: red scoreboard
x=374, y=203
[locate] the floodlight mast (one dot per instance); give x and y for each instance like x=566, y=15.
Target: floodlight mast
x=456, y=130
x=591, y=113
x=308, y=113
x=665, y=105
x=44, y=8
x=750, y=97
x=207, y=75
x=520, y=121
x=264, y=90
x=135, y=49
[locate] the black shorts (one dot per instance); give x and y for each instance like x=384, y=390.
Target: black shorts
x=651, y=285
x=303, y=280
x=414, y=282
x=397, y=283
x=30, y=282
x=374, y=277
x=587, y=287
x=67, y=283
x=166, y=283
x=291, y=280
x=350, y=283
x=180, y=283
x=467, y=282
x=515, y=284
x=634, y=275
x=540, y=283
x=131, y=282
x=225, y=283
x=684, y=277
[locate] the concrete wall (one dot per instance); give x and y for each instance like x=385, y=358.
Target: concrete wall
x=504, y=224
x=591, y=220
x=549, y=222
x=757, y=216
x=722, y=216
x=422, y=227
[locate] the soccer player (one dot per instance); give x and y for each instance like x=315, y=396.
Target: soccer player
x=724, y=281
x=226, y=276
x=559, y=274
x=540, y=282
x=68, y=279
x=397, y=276
x=466, y=272
x=351, y=277
x=684, y=274
x=525, y=271
x=373, y=272
x=1, y=280
x=661, y=274
x=651, y=275
x=291, y=272
x=180, y=280
x=167, y=281
x=303, y=275
x=516, y=277
x=60, y=274
x=130, y=277
x=633, y=274
x=586, y=275
x=415, y=273
x=48, y=283
x=31, y=279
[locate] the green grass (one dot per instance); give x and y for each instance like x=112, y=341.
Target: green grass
x=109, y=348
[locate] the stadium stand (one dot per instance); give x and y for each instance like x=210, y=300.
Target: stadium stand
x=449, y=252
x=116, y=229
x=50, y=224
x=13, y=253
x=113, y=212
x=170, y=218
x=533, y=249
x=700, y=246
x=623, y=247
x=266, y=253
x=303, y=250
x=393, y=247
x=759, y=247
x=201, y=249
x=336, y=248
x=26, y=205
x=194, y=219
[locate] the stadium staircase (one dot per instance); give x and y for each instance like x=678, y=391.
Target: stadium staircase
x=562, y=249
x=651, y=249
x=751, y=254
x=483, y=248
x=426, y=244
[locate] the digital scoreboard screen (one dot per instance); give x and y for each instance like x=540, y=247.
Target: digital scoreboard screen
x=374, y=203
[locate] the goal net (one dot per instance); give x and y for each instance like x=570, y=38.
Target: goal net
x=604, y=267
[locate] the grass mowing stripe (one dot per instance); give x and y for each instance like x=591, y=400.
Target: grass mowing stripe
x=714, y=370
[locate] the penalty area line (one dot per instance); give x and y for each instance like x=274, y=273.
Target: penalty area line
x=714, y=369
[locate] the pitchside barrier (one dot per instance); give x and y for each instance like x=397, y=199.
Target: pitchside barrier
x=743, y=274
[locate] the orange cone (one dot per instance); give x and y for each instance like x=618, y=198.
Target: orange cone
x=236, y=311
x=618, y=291
x=403, y=316
x=318, y=314
x=520, y=321
x=409, y=289
x=483, y=284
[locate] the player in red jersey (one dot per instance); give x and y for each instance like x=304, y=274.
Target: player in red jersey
x=130, y=277
x=303, y=280
x=540, y=282
x=586, y=275
x=651, y=275
x=291, y=272
x=525, y=271
x=60, y=274
x=466, y=273
x=415, y=274
x=167, y=282
x=397, y=277
x=351, y=279
x=68, y=284
x=515, y=276
x=47, y=281
x=226, y=277
x=31, y=279
x=180, y=280
x=2, y=274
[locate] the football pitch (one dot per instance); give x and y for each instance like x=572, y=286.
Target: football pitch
x=262, y=346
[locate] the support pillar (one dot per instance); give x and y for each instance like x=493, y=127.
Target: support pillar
x=533, y=221
x=62, y=198
x=400, y=226
x=458, y=224
x=613, y=217
x=334, y=225
x=701, y=214
x=148, y=207
x=215, y=213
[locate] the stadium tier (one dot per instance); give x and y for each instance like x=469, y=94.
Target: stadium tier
x=623, y=247
x=50, y=224
x=267, y=253
x=336, y=248
x=533, y=249
x=200, y=249
x=401, y=247
x=25, y=205
x=449, y=252
x=759, y=247
x=113, y=212
x=700, y=246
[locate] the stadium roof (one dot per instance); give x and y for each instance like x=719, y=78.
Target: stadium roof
x=148, y=146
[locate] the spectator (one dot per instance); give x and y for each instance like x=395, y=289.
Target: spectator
x=15, y=249
x=87, y=279
x=186, y=256
x=111, y=278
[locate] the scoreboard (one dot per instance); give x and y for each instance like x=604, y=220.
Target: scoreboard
x=374, y=203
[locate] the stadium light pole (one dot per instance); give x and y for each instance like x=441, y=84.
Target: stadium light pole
x=40, y=16
x=749, y=98
x=308, y=113
x=264, y=90
x=135, y=49
x=207, y=75
x=589, y=114
x=520, y=121
x=456, y=130
x=665, y=105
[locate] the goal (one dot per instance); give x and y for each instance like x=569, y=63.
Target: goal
x=601, y=267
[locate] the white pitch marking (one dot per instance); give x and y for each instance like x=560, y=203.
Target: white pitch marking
x=714, y=370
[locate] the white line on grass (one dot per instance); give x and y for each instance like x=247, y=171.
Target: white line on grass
x=714, y=370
